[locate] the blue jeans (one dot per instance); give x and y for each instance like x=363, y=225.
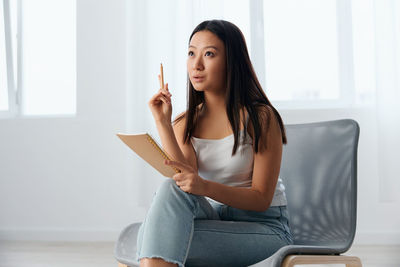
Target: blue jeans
x=188, y=230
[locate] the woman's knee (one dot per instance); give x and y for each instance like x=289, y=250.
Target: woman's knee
x=169, y=190
x=167, y=186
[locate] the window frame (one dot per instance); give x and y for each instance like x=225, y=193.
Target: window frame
x=13, y=105
x=14, y=87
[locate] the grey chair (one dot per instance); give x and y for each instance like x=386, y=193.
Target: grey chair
x=319, y=170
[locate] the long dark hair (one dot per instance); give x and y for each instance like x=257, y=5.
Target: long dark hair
x=243, y=87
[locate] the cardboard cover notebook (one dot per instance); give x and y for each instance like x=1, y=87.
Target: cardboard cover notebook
x=148, y=149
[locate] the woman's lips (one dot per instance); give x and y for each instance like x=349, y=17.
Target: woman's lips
x=198, y=79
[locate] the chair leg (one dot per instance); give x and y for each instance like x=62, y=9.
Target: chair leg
x=122, y=265
x=292, y=260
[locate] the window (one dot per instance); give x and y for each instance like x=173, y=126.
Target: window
x=301, y=50
x=44, y=57
x=317, y=54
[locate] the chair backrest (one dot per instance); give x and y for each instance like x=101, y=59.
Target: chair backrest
x=319, y=170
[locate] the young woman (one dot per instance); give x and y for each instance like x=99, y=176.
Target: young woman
x=227, y=207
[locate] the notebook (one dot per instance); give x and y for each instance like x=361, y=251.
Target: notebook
x=148, y=149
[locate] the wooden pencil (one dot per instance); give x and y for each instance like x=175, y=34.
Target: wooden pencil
x=162, y=76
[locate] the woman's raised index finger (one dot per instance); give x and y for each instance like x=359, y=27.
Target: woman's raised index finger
x=159, y=79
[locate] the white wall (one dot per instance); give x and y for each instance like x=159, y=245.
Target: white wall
x=72, y=179
x=67, y=178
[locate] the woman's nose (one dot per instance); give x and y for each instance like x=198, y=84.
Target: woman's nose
x=198, y=64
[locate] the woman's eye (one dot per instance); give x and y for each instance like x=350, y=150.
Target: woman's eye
x=208, y=53
x=190, y=53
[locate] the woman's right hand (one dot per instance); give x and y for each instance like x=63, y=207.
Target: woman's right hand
x=160, y=104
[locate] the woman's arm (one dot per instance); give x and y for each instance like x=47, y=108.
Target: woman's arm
x=161, y=108
x=169, y=142
x=237, y=197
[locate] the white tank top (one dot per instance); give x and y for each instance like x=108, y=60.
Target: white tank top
x=216, y=163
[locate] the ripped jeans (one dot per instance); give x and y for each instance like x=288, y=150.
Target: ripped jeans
x=188, y=230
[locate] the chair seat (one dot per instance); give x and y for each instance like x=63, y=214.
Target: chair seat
x=125, y=248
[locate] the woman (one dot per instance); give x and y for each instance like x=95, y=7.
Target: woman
x=227, y=207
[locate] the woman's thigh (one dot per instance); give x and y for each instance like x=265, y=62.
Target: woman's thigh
x=232, y=243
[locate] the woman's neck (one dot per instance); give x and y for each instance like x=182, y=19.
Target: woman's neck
x=214, y=104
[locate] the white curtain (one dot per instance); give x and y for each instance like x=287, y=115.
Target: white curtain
x=387, y=67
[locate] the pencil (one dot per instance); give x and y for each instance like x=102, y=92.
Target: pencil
x=162, y=76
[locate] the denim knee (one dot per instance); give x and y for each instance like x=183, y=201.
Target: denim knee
x=167, y=185
x=169, y=192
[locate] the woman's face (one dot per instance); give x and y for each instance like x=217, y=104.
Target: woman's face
x=206, y=63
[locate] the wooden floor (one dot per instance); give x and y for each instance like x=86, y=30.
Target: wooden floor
x=57, y=254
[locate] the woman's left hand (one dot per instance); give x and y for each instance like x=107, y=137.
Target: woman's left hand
x=188, y=180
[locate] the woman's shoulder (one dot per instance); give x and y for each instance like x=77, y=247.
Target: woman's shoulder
x=262, y=112
x=268, y=124
x=266, y=115
x=182, y=116
x=263, y=109
x=179, y=125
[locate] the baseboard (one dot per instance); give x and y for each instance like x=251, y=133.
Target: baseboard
x=382, y=238
x=75, y=235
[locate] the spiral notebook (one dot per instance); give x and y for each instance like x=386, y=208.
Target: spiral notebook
x=148, y=149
